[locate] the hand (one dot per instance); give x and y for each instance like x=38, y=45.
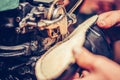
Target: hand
x=109, y=19
x=96, y=67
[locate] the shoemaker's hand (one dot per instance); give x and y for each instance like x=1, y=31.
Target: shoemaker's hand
x=96, y=67
x=108, y=19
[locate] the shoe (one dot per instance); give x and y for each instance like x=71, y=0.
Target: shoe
x=59, y=60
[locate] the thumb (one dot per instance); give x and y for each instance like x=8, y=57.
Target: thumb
x=84, y=58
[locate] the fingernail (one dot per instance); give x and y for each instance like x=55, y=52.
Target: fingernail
x=101, y=23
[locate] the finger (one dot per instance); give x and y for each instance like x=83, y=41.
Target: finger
x=84, y=73
x=84, y=58
x=100, y=21
x=107, y=20
x=103, y=16
x=86, y=78
x=76, y=76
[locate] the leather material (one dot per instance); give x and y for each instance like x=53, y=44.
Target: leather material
x=96, y=42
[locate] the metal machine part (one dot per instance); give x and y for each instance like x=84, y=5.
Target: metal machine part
x=31, y=23
x=26, y=33
x=53, y=18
